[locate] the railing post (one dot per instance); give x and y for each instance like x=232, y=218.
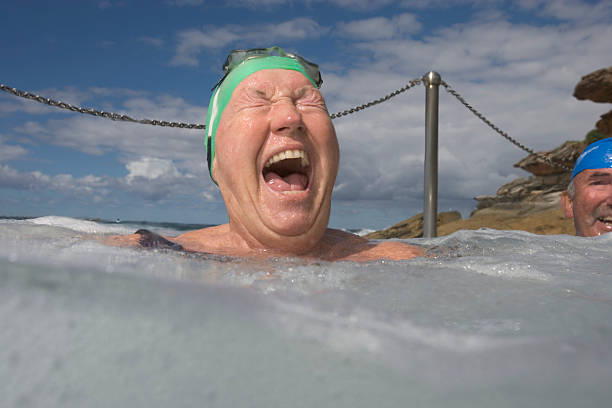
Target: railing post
x=430, y=207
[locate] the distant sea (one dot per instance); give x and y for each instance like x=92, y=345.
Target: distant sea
x=177, y=226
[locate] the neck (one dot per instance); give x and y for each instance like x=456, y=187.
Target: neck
x=271, y=243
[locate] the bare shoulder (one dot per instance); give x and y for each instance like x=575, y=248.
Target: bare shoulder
x=351, y=247
x=395, y=250
x=211, y=239
x=131, y=240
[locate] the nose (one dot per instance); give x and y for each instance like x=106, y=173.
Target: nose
x=286, y=118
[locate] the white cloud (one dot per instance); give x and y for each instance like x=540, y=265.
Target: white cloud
x=499, y=51
x=356, y=5
x=193, y=41
x=93, y=135
x=379, y=28
x=66, y=183
x=570, y=10
x=158, y=179
x=10, y=152
x=153, y=180
x=361, y=5
x=519, y=76
x=151, y=168
x=161, y=162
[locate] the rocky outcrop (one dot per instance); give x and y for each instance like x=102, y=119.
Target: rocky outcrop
x=523, y=218
x=604, y=125
x=566, y=154
x=413, y=226
x=540, y=191
x=543, y=221
x=596, y=86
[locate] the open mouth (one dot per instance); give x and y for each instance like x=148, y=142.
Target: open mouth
x=605, y=220
x=287, y=172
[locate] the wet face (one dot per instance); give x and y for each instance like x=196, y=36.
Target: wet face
x=591, y=206
x=276, y=160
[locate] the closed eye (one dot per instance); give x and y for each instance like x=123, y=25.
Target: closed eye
x=311, y=98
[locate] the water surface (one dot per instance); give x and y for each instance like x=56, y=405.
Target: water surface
x=494, y=318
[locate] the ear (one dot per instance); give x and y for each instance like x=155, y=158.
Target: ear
x=567, y=205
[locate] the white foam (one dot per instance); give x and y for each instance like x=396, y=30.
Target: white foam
x=511, y=317
x=90, y=227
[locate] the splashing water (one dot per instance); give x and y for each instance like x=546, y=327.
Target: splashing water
x=493, y=318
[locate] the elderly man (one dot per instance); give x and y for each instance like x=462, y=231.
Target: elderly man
x=272, y=150
x=588, y=199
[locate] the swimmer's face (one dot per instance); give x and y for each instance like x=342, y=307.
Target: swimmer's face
x=276, y=161
x=591, y=207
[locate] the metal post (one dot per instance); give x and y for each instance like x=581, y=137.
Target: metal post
x=430, y=207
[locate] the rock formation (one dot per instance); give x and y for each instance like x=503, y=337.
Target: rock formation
x=540, y=191
x=597, y=87
x=604, y=125
x=413, y=226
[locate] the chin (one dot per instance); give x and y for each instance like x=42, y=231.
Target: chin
x=295, y=226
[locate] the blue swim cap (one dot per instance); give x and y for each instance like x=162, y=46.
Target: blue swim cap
x=597, y=155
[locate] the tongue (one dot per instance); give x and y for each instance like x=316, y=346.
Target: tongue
x=292, y=182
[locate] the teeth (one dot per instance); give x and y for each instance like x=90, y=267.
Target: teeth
x=606, y=219
x=289, y=154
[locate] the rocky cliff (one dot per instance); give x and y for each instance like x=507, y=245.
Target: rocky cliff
x=528, y=203
x=597, y=87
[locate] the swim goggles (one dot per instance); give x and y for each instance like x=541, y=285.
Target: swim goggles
x=236, y=57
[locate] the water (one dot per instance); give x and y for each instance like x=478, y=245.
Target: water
x=493, y=319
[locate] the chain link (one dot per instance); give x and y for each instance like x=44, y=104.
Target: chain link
x=94, y=112
x=538, y=156
x=385, y=98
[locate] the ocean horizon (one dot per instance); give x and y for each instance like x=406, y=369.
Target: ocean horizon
x=153, y=225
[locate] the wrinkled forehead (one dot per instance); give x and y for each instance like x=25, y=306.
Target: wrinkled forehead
x=603, y=172
x=587, y=175
x=283, y=81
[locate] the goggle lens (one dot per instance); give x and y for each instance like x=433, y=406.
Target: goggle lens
x=236, y=57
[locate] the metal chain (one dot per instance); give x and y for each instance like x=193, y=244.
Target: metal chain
x=94, y=112
x=538, y=156
x=385, y=98
x=121, y=117
x=410, y=84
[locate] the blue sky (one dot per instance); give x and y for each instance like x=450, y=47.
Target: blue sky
x=517, y=62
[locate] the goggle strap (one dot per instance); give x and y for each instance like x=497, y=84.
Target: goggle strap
x=208, y=154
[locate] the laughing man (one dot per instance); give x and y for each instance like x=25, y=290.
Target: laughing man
x=273, y=152
x=588, y=199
